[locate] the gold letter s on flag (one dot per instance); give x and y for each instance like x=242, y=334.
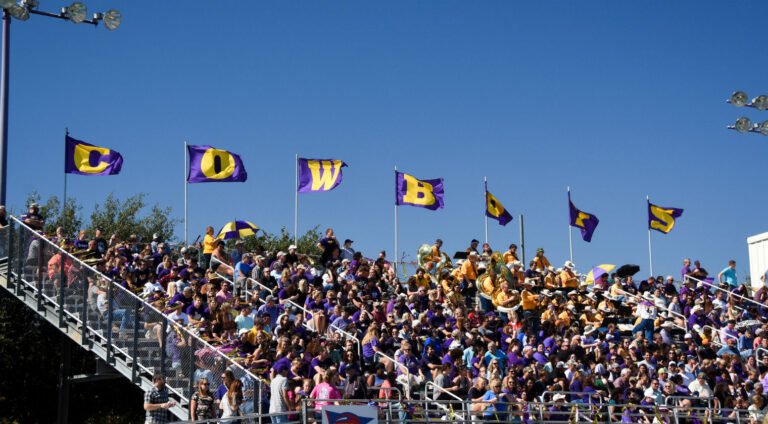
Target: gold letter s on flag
x=580, y=219
x=217, y=164
x=418, y=192
x=325, y=180
x=663, y=215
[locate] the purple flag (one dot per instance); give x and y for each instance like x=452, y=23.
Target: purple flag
x=210, y=165
x=319, y=174
x=86, y=159
x=421, y=193
x=586, y=222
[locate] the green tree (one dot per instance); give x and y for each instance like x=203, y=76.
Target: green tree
x=124, y=218
x=70, y=218
x=268, y=242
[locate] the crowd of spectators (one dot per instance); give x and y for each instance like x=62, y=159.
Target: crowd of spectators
x=486, y=329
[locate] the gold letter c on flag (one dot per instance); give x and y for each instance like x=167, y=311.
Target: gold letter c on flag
x=418, y=192
x=83, y=159
x=217, y=164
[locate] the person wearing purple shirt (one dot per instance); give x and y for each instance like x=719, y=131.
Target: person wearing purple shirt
x=343, y=321
x=198, y=311
x=686, y=268
x=539, y=355
x=408, y=359
x=697, y=317
x=185, y=297
x=271, y=309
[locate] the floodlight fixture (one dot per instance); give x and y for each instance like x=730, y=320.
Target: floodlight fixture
x=76, y=12
x=743, y=125
x=112, y=19
x=760, y=102
x=762, y=128
x=19, y=12
x=738, y=98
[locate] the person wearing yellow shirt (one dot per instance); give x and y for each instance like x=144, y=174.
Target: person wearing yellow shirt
x=530, y=300
x=568, y=278
x=454, y=298
x=503, y=297
x=517, y=272
x=469, y=268
x=590, y=318
x=209, y=244
x=510, y=255
x=540, y=262
x=436, y=255
x=564, y=318
x=488, y=285
x=422, y=280
x=551, y=281
x=447, y=281
x=549, y=314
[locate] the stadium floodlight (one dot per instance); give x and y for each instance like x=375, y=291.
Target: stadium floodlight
x=738, y=98
x=76, y=12
x=19, y=12
x=763, y=128
x=743, y=124
x=112, y=19
x=760, y=102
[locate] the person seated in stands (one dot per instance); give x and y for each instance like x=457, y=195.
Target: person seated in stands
x=32, y=218
x=220, y=261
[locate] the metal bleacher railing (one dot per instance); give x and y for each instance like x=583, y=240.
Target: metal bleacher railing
x=113, y=318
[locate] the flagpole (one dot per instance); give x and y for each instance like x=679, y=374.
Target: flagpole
x=522, y=241
x=296, y=206
x=186, y=218
x=485, y=195
x=64, y=204
x=570, y=235
x=396, y=257
x=650, y=249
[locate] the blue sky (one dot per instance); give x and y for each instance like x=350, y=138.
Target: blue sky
x=618, y=100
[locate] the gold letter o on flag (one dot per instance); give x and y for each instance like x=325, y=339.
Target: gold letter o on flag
x=225, y=161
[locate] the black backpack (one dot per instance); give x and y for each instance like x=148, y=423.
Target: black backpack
x=356, y=389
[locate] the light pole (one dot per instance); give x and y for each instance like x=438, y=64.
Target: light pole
x=744, y=124
x=75, y=13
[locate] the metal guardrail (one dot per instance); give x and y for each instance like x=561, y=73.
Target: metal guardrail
x=662, y=308
x=728, y=292
x=110, y=315
x=419, y=411
x=402, y=368
x=436, y=388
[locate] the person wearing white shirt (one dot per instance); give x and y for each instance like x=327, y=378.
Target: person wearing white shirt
x=178, y=314
x=699, y=387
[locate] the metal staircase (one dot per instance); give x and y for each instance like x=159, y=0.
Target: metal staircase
x=127, y=333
